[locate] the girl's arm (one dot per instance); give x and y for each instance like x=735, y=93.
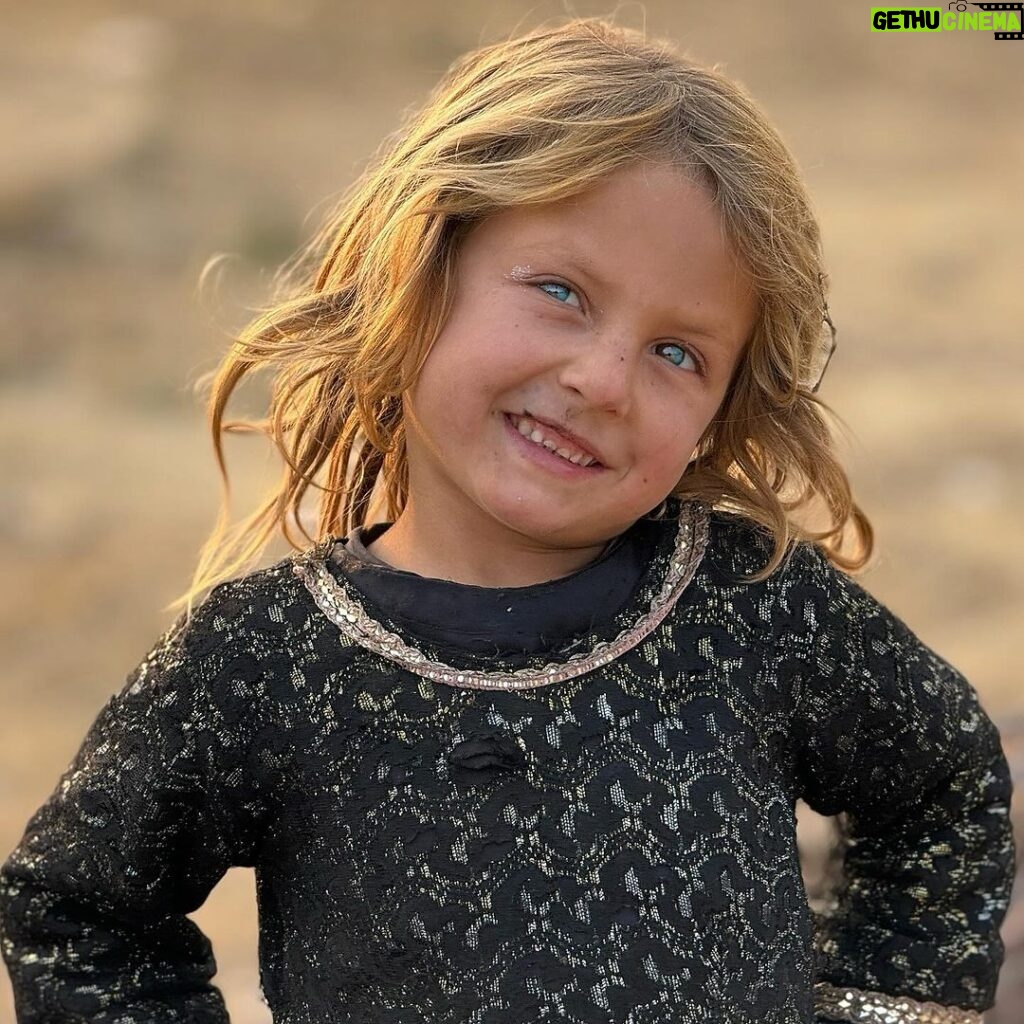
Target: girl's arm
x=892, y=735
x=156, y=805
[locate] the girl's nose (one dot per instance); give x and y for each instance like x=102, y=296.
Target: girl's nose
x=603, y=373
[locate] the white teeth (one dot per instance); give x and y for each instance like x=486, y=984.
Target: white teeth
x=529, y=430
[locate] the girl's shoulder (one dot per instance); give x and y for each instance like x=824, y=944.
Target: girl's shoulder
x=807, y=596
x=261, y=611
x=738, y=547
x=238, y=644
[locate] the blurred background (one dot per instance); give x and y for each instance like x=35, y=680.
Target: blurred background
x=142, y=139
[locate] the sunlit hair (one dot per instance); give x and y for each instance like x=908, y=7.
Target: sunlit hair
x=533, y=119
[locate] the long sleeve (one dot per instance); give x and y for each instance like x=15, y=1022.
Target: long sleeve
x=157, y=803
x=894, y=737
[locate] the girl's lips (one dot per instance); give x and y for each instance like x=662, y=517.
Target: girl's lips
x=546, y=459
x=570, y=440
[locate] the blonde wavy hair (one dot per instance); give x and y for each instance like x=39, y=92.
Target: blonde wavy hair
x=533, y=119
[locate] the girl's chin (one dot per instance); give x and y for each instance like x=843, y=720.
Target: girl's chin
x=545, y=519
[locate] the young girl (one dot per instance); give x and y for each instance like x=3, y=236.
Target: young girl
x=528, y=747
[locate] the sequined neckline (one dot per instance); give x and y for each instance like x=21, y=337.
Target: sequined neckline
x=341, y=604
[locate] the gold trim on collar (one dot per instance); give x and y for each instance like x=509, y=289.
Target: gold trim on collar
x=342, y=606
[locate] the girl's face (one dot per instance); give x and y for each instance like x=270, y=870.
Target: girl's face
x=619, y=316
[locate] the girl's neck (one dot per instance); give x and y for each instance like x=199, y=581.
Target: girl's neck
x=447, y=554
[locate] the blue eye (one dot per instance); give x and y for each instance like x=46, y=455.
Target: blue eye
x=686, y=352
x=558, y=285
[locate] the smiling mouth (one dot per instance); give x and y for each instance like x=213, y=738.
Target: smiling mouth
x=542, y=436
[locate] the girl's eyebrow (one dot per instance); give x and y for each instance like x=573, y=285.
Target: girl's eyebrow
x=579, y=262
x=583, y=264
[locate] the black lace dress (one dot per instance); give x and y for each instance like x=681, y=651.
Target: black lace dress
x=570, y=802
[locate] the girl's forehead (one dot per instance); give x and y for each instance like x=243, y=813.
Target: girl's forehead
x=629, y=202
x=659, y=237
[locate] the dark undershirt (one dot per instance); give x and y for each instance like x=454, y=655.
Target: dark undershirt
x=533, y=619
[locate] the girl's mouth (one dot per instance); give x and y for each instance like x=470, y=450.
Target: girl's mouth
x=545, y=455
